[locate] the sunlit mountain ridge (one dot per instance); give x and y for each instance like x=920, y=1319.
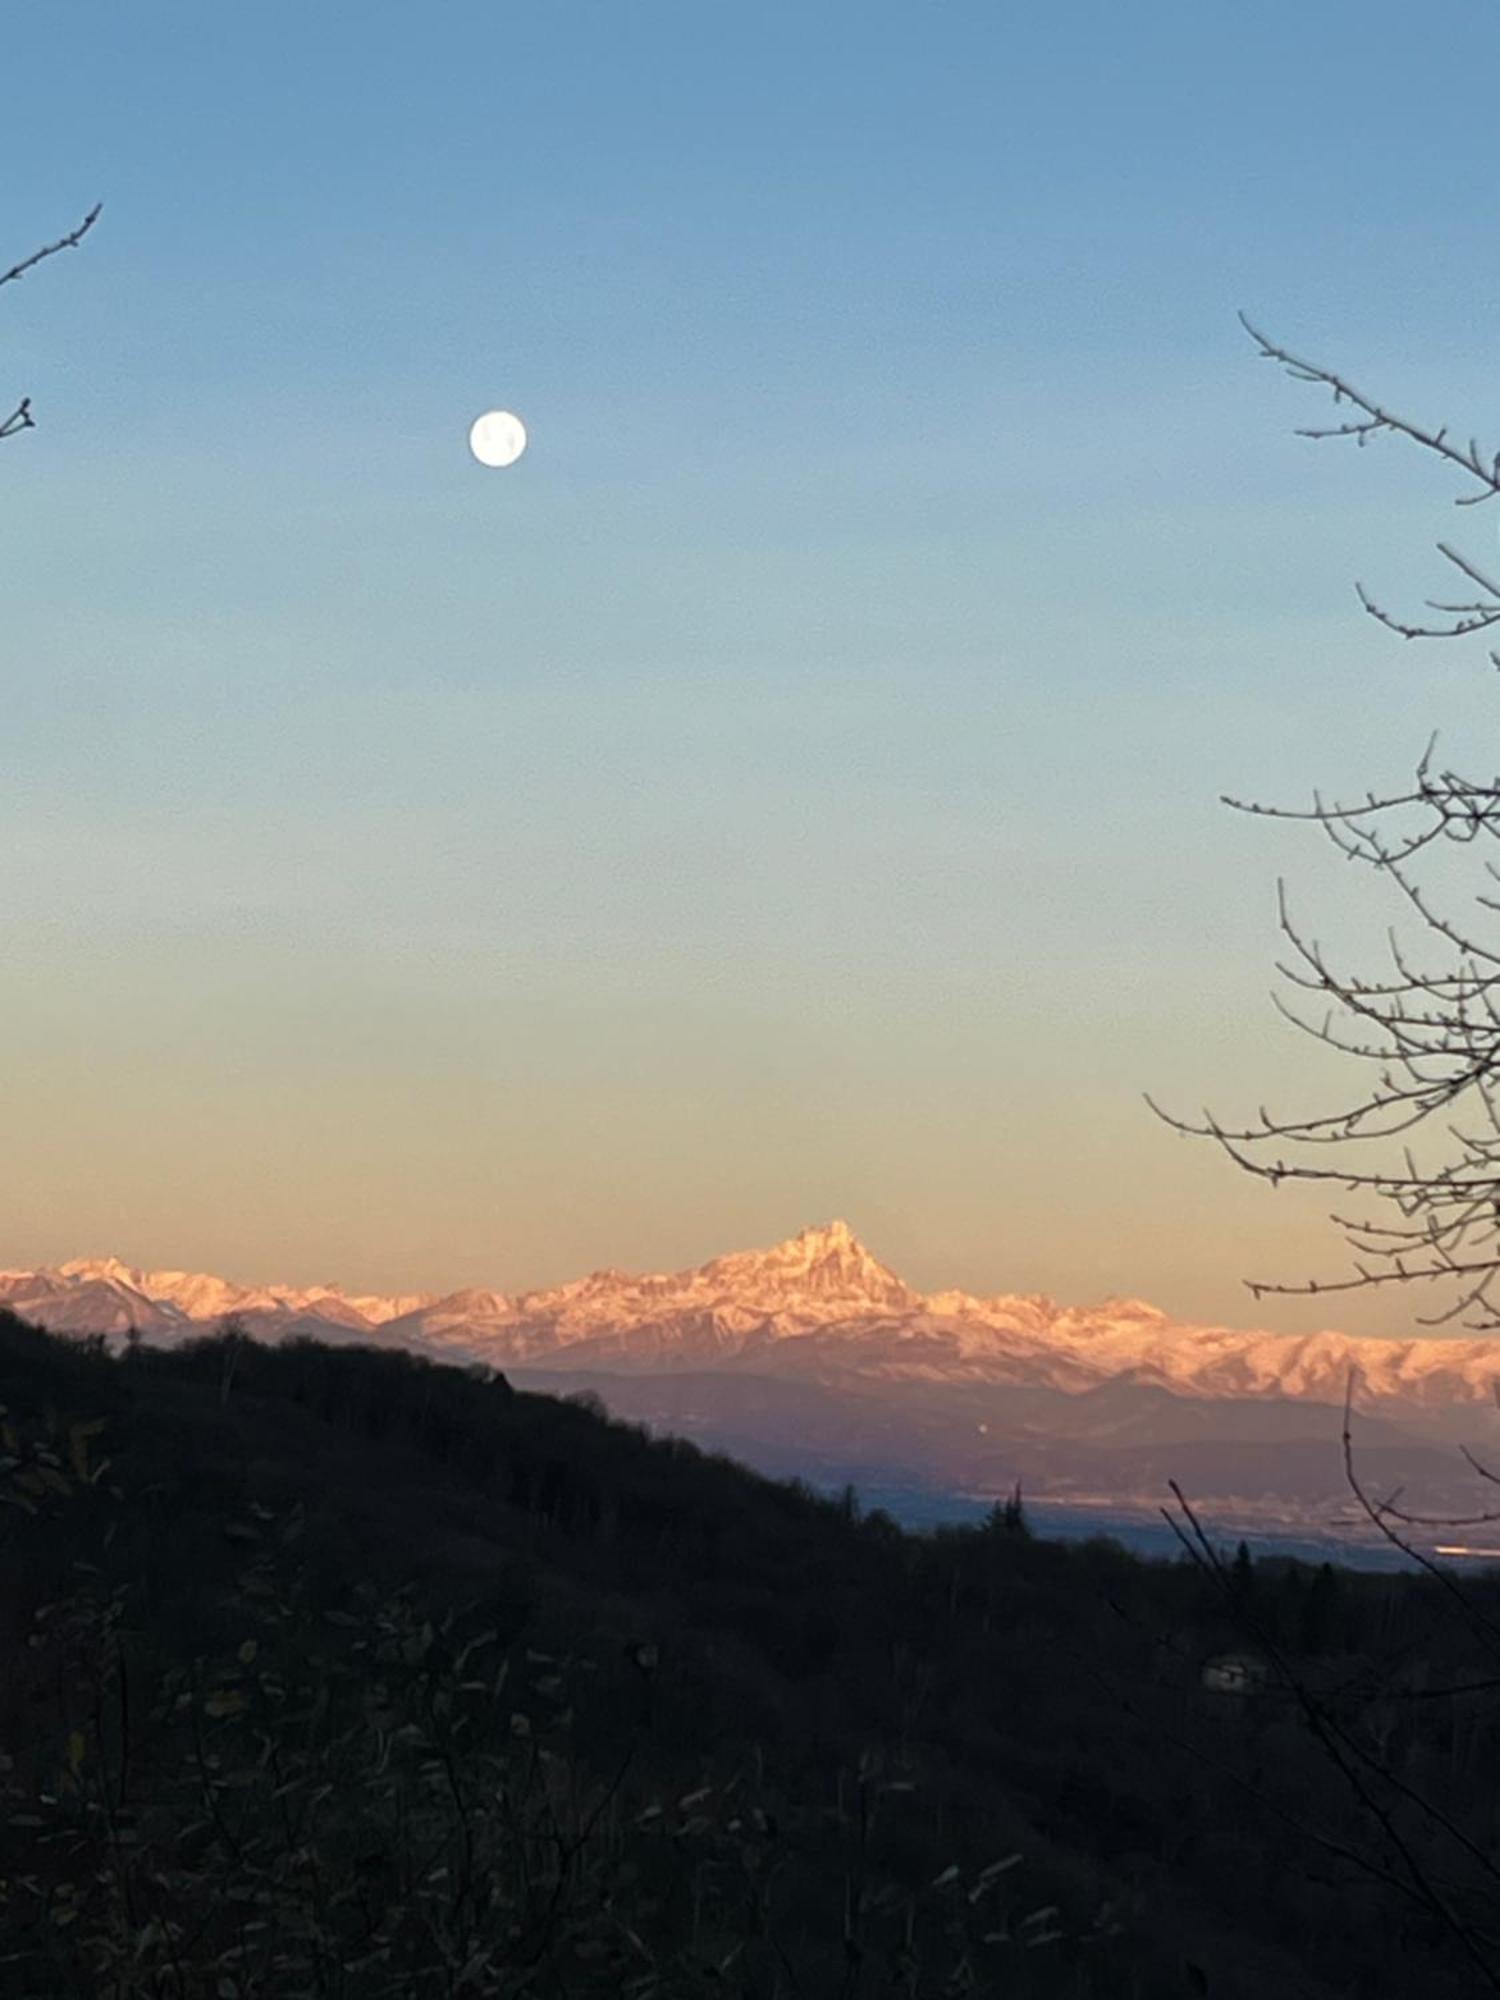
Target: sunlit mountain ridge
x=819, y=1305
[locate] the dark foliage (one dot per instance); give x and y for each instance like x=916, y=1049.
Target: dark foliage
x=336, y=1672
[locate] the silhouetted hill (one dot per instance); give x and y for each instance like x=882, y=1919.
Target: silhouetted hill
x=812, y=1357
x=338, y=1671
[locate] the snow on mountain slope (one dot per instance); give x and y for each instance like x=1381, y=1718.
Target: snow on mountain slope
x=375, y=1311
x=818, y=1306
x=105, y=1295
x=86, y=1301
x=823, y=1270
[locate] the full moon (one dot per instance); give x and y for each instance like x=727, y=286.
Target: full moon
x=497, y=438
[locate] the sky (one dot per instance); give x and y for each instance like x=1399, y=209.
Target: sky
x=792, y=790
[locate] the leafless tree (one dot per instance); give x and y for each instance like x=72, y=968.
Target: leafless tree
x=1414, y=1152
x=1426, y=1026
x=20, y=418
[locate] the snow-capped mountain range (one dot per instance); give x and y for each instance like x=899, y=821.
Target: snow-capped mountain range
x=818, y=1306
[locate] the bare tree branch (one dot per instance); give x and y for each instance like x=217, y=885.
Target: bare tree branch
x=20, y=418
x=69, y=242
x=1426, y=1030
x=1373, y=419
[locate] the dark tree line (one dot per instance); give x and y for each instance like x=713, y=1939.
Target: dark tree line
x=335, y=1671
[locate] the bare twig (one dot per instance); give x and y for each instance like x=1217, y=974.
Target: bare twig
x=20, y=418
x=69, y=242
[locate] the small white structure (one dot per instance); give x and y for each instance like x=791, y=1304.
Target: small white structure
x=1234, y=1673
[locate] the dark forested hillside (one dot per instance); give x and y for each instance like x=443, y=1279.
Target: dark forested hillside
x=336, y=1672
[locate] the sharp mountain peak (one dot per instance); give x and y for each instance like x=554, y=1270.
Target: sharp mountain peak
x=817, y=1303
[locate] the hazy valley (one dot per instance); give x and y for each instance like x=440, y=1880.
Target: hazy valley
x=812, y=1358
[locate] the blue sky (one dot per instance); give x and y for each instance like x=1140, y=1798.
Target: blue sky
x=791, y=790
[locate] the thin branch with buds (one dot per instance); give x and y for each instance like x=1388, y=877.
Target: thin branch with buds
x=20, y=418
x=1371, y=420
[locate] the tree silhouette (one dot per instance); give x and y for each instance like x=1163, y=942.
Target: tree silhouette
x=1426, y=1026
x=1426, y=1029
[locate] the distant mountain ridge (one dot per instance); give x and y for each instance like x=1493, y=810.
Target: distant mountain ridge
x=818, y=1306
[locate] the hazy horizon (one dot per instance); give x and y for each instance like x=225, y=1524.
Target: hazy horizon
x=791, y=791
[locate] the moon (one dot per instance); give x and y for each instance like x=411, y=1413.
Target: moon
x=497, y=438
